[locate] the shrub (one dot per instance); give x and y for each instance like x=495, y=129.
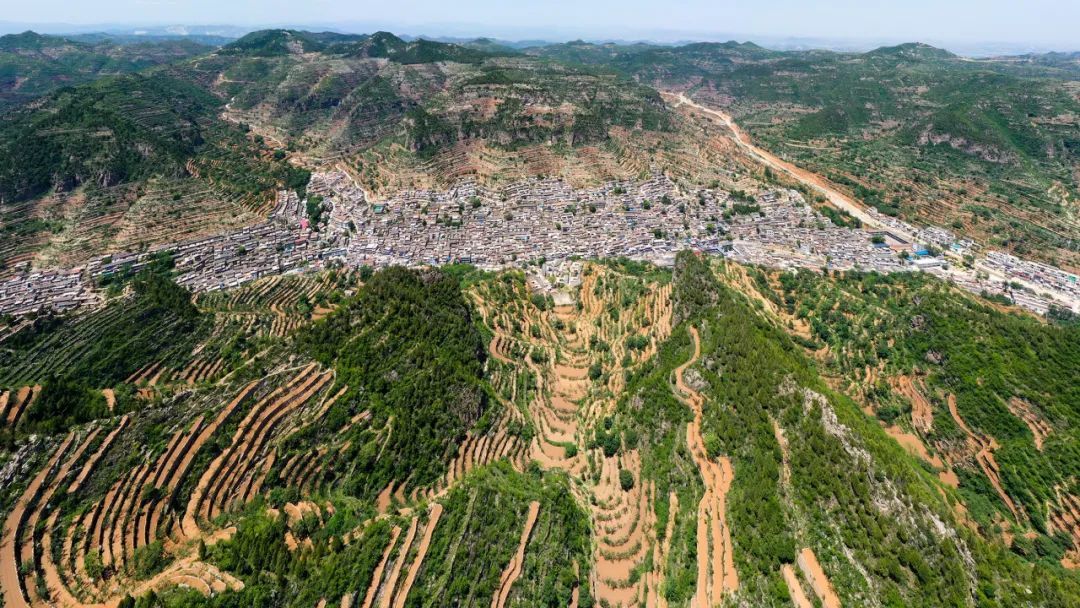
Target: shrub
x=94, y=568
x=712, y=444
x=149, y=560
x=595, y=371
x=609, y=442
x=637, y=342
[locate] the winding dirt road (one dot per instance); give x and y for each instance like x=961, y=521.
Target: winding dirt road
x=835, y=197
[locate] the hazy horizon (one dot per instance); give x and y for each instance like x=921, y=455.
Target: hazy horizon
x=962, y=26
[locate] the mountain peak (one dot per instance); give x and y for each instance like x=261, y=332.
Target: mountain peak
x=918, y=51
x=272, y=43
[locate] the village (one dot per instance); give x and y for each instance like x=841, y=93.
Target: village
x=544, y=224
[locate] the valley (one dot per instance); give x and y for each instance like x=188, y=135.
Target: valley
x=325, y=319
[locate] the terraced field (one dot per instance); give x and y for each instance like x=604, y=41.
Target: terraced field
x=576, y=378
x=642, y=438
x=709, y=435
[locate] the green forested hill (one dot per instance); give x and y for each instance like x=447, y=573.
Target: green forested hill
x=827, y=483
x=985, y=147
x=32, y=64
x=339, y=98
x=409, y=341
x=1011, y=379
x=106, y=133
x=726, y=433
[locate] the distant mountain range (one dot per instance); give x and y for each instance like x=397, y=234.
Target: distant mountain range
x=217, y=35
x=911, y=129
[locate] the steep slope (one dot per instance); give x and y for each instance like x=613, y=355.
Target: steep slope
x=990, y=391
x=32, y=64
x=102, y=159
x=451, y=437
x=408, y=338
x=142, y=144
x=105, y=134
x=380, y=100
x=987, y=147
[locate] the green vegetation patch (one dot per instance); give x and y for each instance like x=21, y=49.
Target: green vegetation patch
x=409, y=349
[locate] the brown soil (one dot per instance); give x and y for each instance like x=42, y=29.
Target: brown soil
x=421, y=553
x=373, y=588
x=1064, y=516
x=57, y=588
x=795, y=589
x=1071, y=561
x=513, y=569
x=922, y=413
x=10, y=581
x=23, y=399
x=110, y=527
x=914, y=445
x=226, y=480
x=565, y=400
x=110, y=398
x=623, y=525
x=811, y=569
x=741, y=280
x=391, y=583
x=949, y=478
x=716, y=563
x=188, y=526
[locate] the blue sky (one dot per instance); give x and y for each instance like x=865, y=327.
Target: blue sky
x=1054, y=23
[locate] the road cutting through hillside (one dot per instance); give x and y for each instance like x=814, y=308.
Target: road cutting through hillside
x=814, y=181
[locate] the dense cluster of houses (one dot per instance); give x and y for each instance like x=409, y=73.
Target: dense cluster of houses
x=543, y=218
x=546, y=220
x=1034, y=277
x=60, y=290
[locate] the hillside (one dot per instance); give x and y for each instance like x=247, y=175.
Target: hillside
x=231, y=126
x=984, y=147
x=32, y=64
x=99, y=161
x=385, y=105
x=315, y=319
x=443, y=437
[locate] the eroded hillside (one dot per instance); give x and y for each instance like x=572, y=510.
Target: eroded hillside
x=442, y=437
x=986, y=147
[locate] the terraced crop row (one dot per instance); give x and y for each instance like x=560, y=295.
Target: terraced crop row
x=561, y=350
x=716, y=563
x=132, y=514
x=68, y=345
x=277, y=293
x=237, y=474
x=13, y=404
x=63, y=344
x=305, y=470
x=392, y=582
